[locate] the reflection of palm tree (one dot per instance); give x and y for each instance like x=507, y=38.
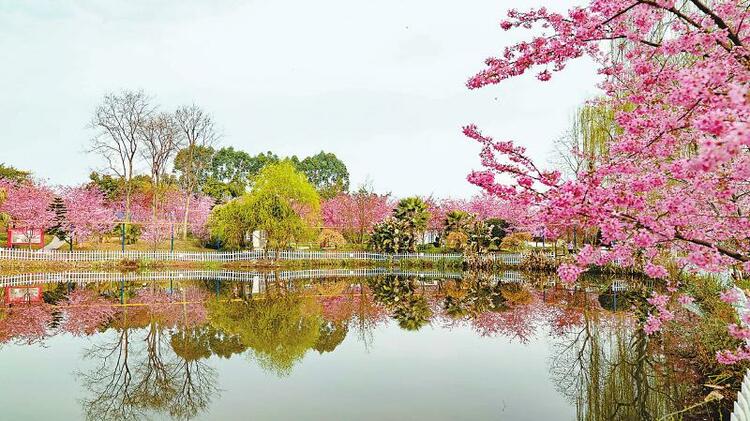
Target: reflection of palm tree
x=412, y=312
x=399, y=295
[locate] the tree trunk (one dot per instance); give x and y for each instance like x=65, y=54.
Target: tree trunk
x=186, y=217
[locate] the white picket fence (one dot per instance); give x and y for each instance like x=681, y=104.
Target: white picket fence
x=238, y=256
x=741, y=410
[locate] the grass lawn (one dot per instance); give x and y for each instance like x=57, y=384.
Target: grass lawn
x=113, y=243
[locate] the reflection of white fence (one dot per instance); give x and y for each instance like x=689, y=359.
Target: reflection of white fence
x=236, y=276
x=239, y=256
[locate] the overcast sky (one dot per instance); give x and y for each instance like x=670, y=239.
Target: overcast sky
x=379, y=83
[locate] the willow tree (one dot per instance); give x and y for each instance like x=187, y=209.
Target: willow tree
x=591, y=131
x=282, y=203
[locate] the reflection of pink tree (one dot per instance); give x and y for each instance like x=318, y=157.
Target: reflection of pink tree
x=26, y=323
x=185, y=307
x=337, y=308
x=85, y=312
x=519, y=320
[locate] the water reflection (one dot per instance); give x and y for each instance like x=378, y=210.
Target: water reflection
x=153, y=335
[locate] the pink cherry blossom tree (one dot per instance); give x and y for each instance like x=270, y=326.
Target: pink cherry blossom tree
x=26, y=323
x=355, y=214
x=673, y=181
x=27, y=205
x=87, y=213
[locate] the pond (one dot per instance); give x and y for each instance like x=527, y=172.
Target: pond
x=328, y=344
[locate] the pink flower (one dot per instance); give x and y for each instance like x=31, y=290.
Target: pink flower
x=656, y=271
x=726, y=357
x=738, y=332
x=730, y=296
x=568, y=273
x=658, y=300
x=652, y=325
x=685, y=299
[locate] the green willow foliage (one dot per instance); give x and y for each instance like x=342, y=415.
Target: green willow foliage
x=596, y=128
x=282, y=203
x=589, y=136
x=278, y=331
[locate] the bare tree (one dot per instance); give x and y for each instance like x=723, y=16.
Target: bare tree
x=161, y=140
x=118, y=121
x=198, y=131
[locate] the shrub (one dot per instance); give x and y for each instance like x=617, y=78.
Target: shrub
x=456, y=240
x=515, y=241
x=329, y=238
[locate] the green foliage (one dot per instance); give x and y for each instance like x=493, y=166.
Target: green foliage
x=332, y=334
x=515, y=241
x=192, y=166
x=330, y=239
x=228, y=224
x=232, y=171
x=4, y=218
x=479, y=237
x=399, y=233
x=456, y=241
x=60, y=210
x=8, y=172
x=282, y=203
x=399, y=295
x=413, y=212
x=114, y=187
x=327, y=173
x=227, y=173
x=456, y=221
x=391, y=236
x=279, y=330
x=498, y=230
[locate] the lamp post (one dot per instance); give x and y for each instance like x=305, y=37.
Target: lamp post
x=121, y=216
x=171, y=242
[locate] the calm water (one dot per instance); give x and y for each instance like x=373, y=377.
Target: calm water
x=325, y=345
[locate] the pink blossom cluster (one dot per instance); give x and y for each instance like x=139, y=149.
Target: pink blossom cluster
x=659, y=315
x=85, y=311
x=159, y=216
